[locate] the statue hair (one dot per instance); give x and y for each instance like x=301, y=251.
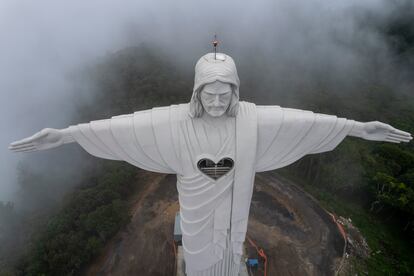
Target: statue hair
x=197, y=109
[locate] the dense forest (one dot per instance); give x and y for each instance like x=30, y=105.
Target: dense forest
x=371, y=183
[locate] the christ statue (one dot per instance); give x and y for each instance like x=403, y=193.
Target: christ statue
x=214, y=144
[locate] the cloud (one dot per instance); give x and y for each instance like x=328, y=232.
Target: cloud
x=43, y=42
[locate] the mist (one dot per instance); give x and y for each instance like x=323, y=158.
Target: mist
x=287, y=44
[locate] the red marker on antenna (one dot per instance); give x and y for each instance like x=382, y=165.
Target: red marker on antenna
x=215, y=43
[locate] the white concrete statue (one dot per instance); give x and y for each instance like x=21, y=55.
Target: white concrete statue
x=215, y=145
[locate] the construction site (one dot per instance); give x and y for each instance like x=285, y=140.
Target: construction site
x=288, y=233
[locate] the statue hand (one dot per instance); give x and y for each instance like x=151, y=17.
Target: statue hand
x=377, y=131
x=47, y=138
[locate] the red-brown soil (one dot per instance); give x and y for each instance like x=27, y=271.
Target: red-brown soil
x=297, y=235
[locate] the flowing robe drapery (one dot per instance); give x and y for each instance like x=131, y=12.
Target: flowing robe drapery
x=214, y=213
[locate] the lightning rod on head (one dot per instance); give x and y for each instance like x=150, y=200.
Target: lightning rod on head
x=215, y=43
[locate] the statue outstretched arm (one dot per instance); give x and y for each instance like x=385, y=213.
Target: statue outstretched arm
x=286, y=135
x=47, y=138
x=144, y=139
x=377, y=131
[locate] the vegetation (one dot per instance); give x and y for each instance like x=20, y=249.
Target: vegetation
x=89, y=218
x=391, y=248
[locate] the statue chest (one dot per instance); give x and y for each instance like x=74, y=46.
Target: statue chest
x=207, y=147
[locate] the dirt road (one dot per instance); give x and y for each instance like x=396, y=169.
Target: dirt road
x=298, y=237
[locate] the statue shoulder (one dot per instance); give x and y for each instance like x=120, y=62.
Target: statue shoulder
x=160, y=114
x=246, y=108
x=269, y=114
x=176, y=112
x=268, y=111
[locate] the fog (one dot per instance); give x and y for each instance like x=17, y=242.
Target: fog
x=43, y=43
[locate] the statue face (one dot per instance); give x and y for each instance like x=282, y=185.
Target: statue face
x=215, y=98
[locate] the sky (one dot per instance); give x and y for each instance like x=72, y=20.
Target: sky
x=43, y=43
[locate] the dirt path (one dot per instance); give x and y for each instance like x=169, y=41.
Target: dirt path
x=145, y=246
x=299, y=237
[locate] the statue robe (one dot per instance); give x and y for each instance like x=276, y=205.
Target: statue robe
x=214, y=213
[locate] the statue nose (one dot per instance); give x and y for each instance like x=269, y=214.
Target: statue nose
x=216, y=100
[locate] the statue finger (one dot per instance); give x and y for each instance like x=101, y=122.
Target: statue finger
x=404, y=134
x=29, y=139
x=21, y=146
x=397, y=137
x=402, y=140
x=32, y=148
x=21, y=142
x=401, y=137
x=392, y=140
x=400, y=132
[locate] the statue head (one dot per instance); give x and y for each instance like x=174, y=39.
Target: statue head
x=216, y=86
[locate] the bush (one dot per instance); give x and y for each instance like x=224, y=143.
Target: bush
x=83, y=225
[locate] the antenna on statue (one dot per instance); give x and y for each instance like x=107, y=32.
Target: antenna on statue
x=215, y=43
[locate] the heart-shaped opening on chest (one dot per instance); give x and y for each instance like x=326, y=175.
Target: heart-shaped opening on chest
x=215, y=170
